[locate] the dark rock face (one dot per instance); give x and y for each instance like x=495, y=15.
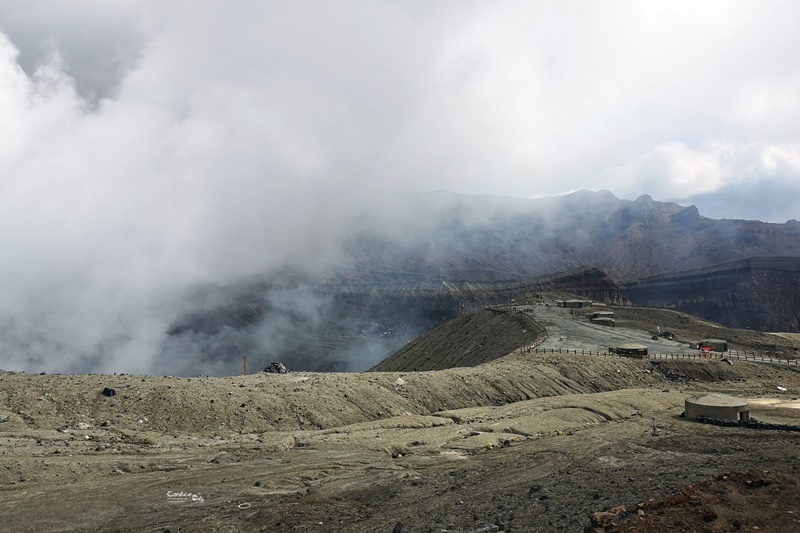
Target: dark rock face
x=759, y=294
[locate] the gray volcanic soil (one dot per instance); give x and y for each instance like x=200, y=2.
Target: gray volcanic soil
x=526, y=442
x=467, y=341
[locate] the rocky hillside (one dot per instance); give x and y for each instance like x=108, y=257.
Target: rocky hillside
x=489, y=334
x=454, y=237
x=759, y=294
x=467, y=341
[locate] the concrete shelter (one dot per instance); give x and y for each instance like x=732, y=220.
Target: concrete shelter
x=714, y=405
x=632, y=350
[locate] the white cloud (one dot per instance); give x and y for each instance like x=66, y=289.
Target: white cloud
x=677, y=172
x=147, y=146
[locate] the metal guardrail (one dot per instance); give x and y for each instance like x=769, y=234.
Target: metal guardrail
x=705, y=356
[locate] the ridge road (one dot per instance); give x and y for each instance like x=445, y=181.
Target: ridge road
x=578, y=333
x=566, y=331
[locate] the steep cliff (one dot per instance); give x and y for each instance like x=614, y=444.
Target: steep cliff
x=759, y=293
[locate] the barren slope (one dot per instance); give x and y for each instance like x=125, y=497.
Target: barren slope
x=526, y=442
x=467, y=341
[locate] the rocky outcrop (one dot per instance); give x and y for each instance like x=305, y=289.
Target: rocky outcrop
x=759, y=294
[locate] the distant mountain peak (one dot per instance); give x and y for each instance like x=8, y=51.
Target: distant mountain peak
x=588, y=193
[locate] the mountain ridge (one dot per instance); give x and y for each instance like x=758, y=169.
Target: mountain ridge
x=418, y=259
x=462, y=238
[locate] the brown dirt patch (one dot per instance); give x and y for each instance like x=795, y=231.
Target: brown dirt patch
x=749, y=500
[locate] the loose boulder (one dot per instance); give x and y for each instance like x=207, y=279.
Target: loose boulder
x=276, y=368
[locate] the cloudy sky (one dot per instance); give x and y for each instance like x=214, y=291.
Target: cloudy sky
x=146, y=145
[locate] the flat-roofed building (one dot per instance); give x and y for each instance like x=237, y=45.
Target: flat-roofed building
x=575, y=304
x=632, y=350
x=713, y=345
x=716, y=405
x=600, y=314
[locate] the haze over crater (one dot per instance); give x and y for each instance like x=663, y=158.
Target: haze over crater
x=150, y=148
